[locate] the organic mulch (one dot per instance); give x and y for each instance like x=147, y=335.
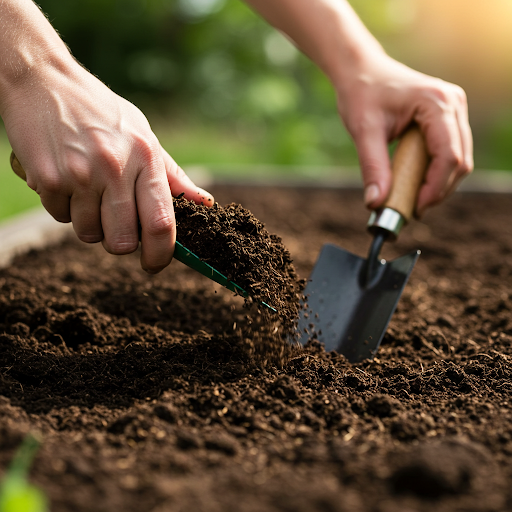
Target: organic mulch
x=163, y=393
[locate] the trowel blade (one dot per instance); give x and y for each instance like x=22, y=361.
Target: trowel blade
x=343, y=312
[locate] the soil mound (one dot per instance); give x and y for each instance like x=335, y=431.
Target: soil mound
x=234, y=242
x=158, y=393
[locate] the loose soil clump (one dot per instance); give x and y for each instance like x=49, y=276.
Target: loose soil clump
x=152, y=393
x=236, y=243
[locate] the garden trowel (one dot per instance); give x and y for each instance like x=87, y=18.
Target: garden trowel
x=181, y=253
x=349, y=300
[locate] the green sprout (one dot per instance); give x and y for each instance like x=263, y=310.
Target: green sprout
x=16, y=493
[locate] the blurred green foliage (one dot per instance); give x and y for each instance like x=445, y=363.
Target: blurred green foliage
x=214, y=70
x=208, y=66
x=220, y=86
x=494, y=149
x=16, y=492
x=223, y=88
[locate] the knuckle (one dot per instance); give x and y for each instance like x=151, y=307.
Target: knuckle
x=362, y=124
x=460, y=93
x=438, y=95
x=177, y=171
x=122, y=244
x=79, y=169
x=454, y=159
x=160, y=224
x=465, y=169
x=469, y=168
x=90, y=238
x=49, y=182
x=441, y=96
x=147, y=148
x=32, y=184
x=447, y=96
x=111, y=159
x=371, y=166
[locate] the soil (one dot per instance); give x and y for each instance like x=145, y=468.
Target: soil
x=153, y=393
x=234, y=242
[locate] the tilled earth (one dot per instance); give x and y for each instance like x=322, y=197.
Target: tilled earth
x=152, y=393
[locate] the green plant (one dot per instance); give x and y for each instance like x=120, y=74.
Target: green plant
x=16, y=493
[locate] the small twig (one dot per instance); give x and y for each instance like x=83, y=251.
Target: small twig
x=485, y=355
x=431, y=347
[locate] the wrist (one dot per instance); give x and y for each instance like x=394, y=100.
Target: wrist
x=33, y=67
x=354, y=63
x=30, y=49
x=329, y=32
x=344, y=48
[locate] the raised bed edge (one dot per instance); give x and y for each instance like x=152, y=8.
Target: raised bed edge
x=36, y=228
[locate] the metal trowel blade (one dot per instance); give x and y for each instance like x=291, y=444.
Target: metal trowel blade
x=345, y=313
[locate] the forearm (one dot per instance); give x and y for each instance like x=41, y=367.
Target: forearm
x=328, y=31
x=28, y=46
x=378, y=97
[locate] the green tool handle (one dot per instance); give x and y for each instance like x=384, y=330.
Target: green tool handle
x=187, y=257
x=181, y=253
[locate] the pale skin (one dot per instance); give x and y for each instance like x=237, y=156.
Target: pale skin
x=378, y=97
x=94, y=160
x=89, y=154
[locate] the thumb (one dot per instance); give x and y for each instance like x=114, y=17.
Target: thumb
x=180, y=183
x=372, y=149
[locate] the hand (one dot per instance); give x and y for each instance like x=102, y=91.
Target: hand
x=94, y=160
x=377, y=104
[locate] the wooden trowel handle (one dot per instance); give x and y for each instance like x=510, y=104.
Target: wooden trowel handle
x=17, y=168
x=409, y=166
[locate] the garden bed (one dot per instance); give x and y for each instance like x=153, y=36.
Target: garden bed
x=152, y=394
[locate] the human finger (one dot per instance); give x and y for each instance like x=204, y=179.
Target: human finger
x=180, y=183
x=86, y=216
x=57, y=205
x=465, y=131
x=372, y=149
x=54, y=197
x=119, y=218
x=467, y=164
x=444, y=145
x=156, y=216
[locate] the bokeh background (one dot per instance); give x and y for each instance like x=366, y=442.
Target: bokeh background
x=223, y=89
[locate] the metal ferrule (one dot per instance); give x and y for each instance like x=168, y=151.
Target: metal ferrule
x=388, y=219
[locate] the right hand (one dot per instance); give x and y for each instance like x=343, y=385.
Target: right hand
x=94, y=161
x=377, y=103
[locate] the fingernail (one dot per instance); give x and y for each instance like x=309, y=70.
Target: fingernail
x=151, y=271
x=371, y=194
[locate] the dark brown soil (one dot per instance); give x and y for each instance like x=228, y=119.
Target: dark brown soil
x=152, y=394
x=236, y=243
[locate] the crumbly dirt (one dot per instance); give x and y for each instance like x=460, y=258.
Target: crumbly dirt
x=151, y=394
x=234, y=242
